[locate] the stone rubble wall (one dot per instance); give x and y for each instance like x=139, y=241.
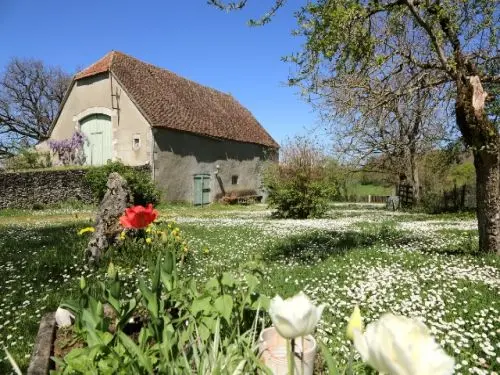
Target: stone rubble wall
x=31, y=188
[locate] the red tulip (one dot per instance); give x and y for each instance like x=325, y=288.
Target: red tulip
x=138, y=217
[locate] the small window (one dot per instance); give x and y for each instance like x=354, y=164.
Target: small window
x=234, y=180
x=136, y=142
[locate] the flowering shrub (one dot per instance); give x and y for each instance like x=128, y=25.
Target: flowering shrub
x=298, y=187
x=69, y=151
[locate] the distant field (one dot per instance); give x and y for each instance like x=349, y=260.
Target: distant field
x=363, y=190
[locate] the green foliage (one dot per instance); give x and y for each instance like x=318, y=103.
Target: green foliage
x=298, y=187
x=462, y=174
x=431, y=202
x=352, y=185
x=299, y=199
x=139, y=246
x=139, y=182
x=170, y=326
x=29, y=159
x=445, y=172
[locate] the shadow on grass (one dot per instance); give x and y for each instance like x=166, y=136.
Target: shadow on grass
x=320, y=245
x=316, y=246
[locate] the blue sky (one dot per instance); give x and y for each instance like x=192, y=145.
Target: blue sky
x=188, y=37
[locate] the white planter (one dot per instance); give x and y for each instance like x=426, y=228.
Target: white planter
x=273, y=352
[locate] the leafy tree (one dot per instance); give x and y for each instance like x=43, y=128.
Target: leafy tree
x=298, y=186
x=30, y=95
x=449, y=45
x=393, y=133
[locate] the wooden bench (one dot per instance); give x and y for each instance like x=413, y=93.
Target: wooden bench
x=249, y=199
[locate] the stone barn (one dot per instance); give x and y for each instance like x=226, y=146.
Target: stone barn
x=198, y=141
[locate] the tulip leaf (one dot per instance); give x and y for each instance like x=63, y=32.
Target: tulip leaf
x=252, y=281
x=212, y=286
x=204, y=332
x=134, y=350
x=201, y=304
x=331, y=364
x=228, y=279
x=224, y=305
x=261, y=301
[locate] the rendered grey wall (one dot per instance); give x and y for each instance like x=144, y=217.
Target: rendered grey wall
x=179, y=156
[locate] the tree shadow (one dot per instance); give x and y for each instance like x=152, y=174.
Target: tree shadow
x=317, y=246
x=320, y=245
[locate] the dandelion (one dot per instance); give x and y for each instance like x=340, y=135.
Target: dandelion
x=85, y=230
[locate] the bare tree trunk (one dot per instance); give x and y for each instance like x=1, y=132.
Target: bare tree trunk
x=413, y=169
x=481, y=134
x=488, y=199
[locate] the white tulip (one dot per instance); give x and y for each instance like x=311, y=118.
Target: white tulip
x=294, y=317
x=396, y=345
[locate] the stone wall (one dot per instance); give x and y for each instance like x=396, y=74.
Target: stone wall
x=30, y=188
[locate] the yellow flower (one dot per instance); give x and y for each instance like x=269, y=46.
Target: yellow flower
x=355, y=323
x=123, y=235
x=149, y=240
x=149, y=229
x=205, y=250
x=85, y=230
x=185, y=249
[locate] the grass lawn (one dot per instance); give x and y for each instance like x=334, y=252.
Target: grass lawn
x=411, y=264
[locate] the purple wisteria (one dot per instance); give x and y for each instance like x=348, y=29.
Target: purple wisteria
x=70, y=151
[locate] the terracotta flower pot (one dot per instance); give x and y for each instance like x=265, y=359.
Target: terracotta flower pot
x=273, y=351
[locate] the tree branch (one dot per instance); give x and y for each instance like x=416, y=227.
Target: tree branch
x=430, y=33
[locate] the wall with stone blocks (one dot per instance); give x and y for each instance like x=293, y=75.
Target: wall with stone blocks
x=30, y=188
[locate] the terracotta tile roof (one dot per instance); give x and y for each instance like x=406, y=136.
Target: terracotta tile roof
x=170, y=101
x=101, y=66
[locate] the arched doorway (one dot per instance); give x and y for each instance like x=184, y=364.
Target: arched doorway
x=98, y=147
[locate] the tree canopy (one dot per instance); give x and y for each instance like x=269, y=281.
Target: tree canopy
x=30, y=96
x=384, y=50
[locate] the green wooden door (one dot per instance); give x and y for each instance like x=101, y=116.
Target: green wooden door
x=98, y=148
x=201, y=189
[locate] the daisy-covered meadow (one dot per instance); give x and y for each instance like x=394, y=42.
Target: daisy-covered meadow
x=409, y=264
